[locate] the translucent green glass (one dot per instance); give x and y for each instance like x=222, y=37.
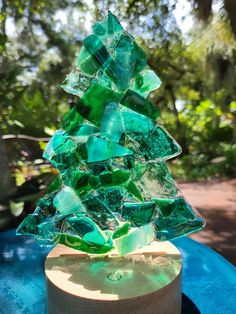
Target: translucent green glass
x=113, y=190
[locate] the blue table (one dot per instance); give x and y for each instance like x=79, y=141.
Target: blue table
x=209, y=281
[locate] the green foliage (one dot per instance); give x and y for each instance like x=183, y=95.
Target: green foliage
x=197, y=97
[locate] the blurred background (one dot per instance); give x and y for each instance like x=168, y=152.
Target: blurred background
x=191, y=44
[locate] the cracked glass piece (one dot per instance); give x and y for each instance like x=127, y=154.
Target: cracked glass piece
x=113, y=189
x=145, y=82
x=157, y=144
x=77, y=179
x=176, y=217
x=157, y=181
x=76, y=83
x=67, y=202
x=100, y=149
x=39, y=225
x=101, y=213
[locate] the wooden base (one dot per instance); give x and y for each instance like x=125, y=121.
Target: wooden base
x=146, y=281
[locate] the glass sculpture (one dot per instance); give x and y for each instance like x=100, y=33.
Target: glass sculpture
x=113, y=189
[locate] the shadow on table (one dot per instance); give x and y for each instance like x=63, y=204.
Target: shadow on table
x=188, y=307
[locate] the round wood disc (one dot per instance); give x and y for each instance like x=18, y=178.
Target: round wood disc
x=76, y=279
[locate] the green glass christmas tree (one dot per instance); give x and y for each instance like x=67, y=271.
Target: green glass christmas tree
x=114, y=189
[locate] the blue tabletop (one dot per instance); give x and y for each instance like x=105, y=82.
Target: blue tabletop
x=209, y=281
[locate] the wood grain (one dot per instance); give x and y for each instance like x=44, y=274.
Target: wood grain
x=146, y=281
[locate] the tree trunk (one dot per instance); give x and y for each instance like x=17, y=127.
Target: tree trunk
x=180, y=128
x=7, y=183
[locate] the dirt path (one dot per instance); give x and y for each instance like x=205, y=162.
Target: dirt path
x=216, y=202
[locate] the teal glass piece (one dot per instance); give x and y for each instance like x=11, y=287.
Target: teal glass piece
x=99, y=210
x=86, y=63
x=61, y=150
x=88, y=230
x=76, y=83
x=139, y=213
x=100, y=149
x=113, y=189
x=135, y=122
x=145, y=82
x=77, y=179
x=67, y=202
x=157, y=144
x=107, y=27
x=85, y=130
x=176, y=217
x=27, y=226
x=139, y=104
x=96, y=49
x=124, y=63
x=112, y=125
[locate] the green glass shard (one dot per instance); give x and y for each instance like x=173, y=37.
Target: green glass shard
x=112, y=126
x=135, y=122
x=77, y=179
x=124, y=63
x=92, y=105
x=71, y=120
x=61, y=150
x=67, y=202
x=113, y=190
x=107, y=27
x=77, y=243
x=157, y=181
x=121, y=230
x=138, y=103
x=145, y=82
x=157, y=144
x=28, y=225
x=88, y=230
x=96, y=49
x=100, y=149
x=55, y=185
x=86, y=63
x=115, y=177
x=135, y=239
x=133, y=189
x=100, y=211
x=176, y=217
x=139, y=214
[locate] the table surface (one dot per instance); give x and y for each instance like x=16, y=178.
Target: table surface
x=209, y=281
